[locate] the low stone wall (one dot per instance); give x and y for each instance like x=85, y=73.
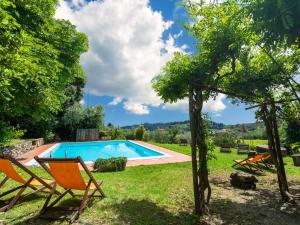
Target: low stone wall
x=21, y=148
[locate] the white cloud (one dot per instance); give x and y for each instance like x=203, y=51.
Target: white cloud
x=115, y=101
x=180, y=34
x=126, y=49
x=136, y=108
x=82, y=102
x=212, y=105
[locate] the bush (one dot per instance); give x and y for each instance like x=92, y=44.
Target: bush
x=130, y=134
x=7, y=133
x=140, y=132
x=77, y=117
x=110, y=165
x=185, y=135
x=49, y=136
x=115, y=133
x=159, y=136
x=224, y=138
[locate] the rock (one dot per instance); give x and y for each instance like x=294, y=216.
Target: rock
x=21, y=148
x=289, y=208
x=243, y=180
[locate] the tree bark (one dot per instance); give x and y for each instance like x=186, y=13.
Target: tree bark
x=194, y=153
x=199, y=151
x=270, y=120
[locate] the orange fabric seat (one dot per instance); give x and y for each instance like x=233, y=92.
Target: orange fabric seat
x=37, y=184
x=252, y=162
x=7, y=168
x=66, y=173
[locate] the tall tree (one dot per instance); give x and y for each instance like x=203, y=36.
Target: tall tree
x=266, y=87
x=39, y=61
x=199, y=77
x=276, y=20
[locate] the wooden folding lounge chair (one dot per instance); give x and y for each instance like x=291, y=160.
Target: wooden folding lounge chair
x=183, y=141
x=243, y=149
x=250, y=163
x=265, y=160
x=225, y=148
x=34, y=182
x=66, y=173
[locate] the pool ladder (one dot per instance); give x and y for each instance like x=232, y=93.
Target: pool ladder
x=66, y=155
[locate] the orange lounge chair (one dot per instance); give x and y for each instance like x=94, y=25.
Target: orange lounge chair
x=252, y=163
x=34, y=182
x=67, y=174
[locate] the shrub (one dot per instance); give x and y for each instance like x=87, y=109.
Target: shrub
x=140, y=132
x=159, y=136
x=76, y=117
x=224, y=138
x=115, y=133
x=49, y=136
x=110, y=165
x=185, y=135
x=130, y=134
x=7, y=133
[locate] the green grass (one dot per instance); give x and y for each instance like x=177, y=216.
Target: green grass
x=160, y=194
x=143, y=195
x=255, y=142
x=224, y=161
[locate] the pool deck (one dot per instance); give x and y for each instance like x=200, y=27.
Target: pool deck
x=173, y=157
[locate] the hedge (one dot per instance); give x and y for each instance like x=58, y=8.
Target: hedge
x=110, y=165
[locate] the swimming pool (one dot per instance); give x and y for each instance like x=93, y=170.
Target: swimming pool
x=90, y=151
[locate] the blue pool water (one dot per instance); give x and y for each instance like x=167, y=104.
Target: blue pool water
x=90, y=151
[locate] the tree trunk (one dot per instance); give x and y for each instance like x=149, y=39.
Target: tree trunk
x=270, y=120
x=194, y=154
x=199, y=151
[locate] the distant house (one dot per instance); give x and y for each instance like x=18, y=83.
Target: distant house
x=222, y=131
x=161, y=129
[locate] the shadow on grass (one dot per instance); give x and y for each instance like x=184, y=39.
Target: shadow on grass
x=63, y=203
x=261, y=206
x=138, y=212
x=30, y=198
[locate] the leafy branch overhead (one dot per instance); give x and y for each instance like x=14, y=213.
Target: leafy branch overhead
x=39, y=59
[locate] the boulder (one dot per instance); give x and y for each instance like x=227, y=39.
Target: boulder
x=243, y=180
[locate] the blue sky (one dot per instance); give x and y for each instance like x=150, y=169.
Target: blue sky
x=126, y=53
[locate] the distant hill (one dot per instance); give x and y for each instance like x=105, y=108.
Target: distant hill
x=183, y=125
x=246, y=130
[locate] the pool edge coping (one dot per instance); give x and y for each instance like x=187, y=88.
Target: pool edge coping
x=169, y=156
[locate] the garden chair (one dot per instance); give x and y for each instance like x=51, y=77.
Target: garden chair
x=251, y=163
x=34, y=182
x=66, y=173
x=183, y=141
x=265, y=161
x=243, y=149
x=225, y=148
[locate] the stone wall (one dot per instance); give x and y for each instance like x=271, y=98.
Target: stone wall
x=21, y=148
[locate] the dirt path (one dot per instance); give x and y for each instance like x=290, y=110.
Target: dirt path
x=251, y=207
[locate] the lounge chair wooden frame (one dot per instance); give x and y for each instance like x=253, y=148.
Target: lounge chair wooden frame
x=26, y=184
x=248, y=164
x=243, y=149
x=86, y=197
x=225, y=148
x=252, y=163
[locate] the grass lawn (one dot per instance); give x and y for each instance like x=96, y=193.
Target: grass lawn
x=255, y=142
x=162, y=195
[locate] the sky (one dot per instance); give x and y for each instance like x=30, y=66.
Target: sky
x=129, y=43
